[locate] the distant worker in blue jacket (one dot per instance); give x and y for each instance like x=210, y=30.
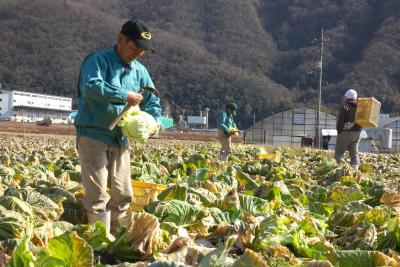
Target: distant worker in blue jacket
x=226, y=128
x=109, y=79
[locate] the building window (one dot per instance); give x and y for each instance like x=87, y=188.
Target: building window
x=298, y=118
x=1, y=99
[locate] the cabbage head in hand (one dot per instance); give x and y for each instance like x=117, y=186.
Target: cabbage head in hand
x=233, y=131
x=138, y=125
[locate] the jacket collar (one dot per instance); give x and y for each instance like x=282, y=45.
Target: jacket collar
x=120, y=61
x=351, y=101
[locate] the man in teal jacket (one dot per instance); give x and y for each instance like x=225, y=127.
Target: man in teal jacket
x=108, y=80
x=226, y=128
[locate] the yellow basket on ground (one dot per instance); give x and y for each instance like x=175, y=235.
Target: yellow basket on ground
x=143, y=193
x=367, y=112
x=272, y=156
x=275, y=157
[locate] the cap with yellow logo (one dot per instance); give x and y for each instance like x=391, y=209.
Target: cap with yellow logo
x=139, y=33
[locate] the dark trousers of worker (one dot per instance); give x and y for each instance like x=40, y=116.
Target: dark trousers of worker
x=348, y=140
x=104, y=166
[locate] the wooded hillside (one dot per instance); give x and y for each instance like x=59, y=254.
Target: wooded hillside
x=259, y=53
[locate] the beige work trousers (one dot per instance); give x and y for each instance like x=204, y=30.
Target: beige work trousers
x=226, y=147
x=105, y=166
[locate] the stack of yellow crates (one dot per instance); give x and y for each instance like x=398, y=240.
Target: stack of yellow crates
x=367, y=112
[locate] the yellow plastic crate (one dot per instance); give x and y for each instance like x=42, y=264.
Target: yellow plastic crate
x=275, y=157
x=367, y=112
x=143, y=193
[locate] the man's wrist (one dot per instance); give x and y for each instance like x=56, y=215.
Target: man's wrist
x=124, y=96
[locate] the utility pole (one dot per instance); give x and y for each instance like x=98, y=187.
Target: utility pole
x=317, y=128
x=207, y=111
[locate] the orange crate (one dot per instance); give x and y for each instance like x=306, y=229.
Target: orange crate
x=367, y=112
x=143, y=193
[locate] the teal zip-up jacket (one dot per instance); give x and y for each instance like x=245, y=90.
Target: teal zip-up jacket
x=225, y=121
x=103, y=87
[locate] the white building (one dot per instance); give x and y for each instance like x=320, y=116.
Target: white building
x=31, y=107
x=387, y=136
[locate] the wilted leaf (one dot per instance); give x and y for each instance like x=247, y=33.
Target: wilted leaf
x=217, y=257
x=391, y=199
x=137, y=237
x=250, y=258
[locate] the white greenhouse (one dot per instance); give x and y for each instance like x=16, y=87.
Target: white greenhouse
x=294, y=127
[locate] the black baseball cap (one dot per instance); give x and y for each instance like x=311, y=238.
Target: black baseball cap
x=139, y=33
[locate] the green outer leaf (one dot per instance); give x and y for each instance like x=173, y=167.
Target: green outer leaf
x=225, y=216
x=38, y=202
x=206, y=197
x=16, y=204
x=197, y=160
x=198, y=176
x=58, y=194
x=254, y=205
x=179, y=212
x=246, y=180
x=150, y=172
x=303, y=248
x=353, y=258
x=228, y=179
x=271, y=231
x=13, y=225
x=342, y=195
x=66, y=250
x=22, y=256
x=175, y=192
x=94, y=234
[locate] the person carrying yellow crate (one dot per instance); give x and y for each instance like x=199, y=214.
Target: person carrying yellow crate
x=109, y=80
x=226, y=128
x=349, y=133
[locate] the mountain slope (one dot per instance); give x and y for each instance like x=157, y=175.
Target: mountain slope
x=258, y=53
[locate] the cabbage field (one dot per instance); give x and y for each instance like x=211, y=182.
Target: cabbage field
x=301, y=211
